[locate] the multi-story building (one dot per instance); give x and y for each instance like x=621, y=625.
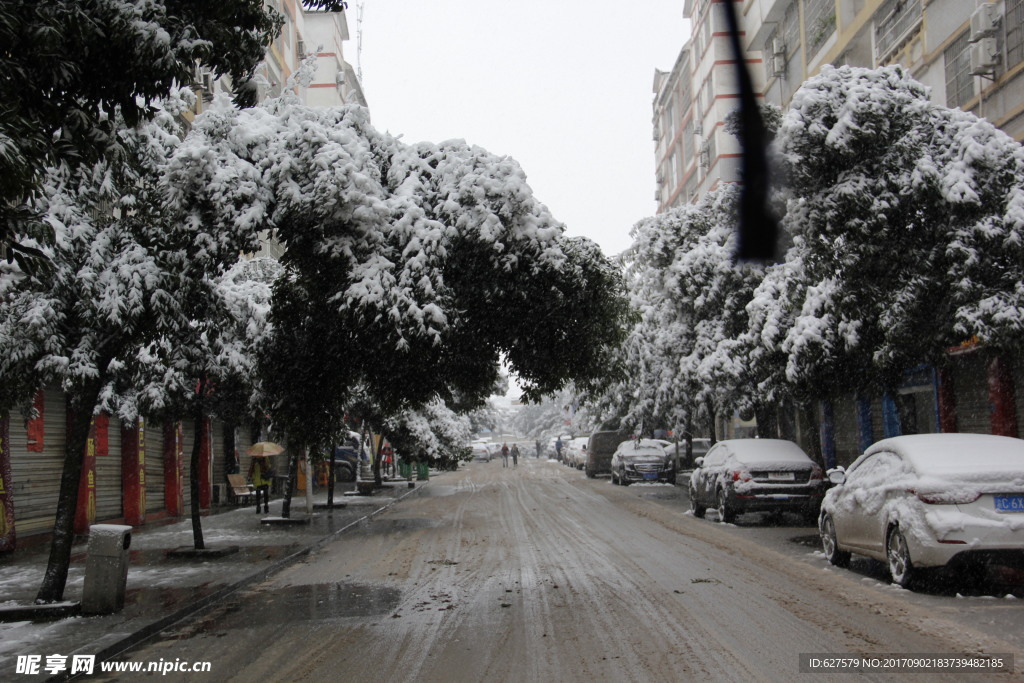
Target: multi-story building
x=694, y=153
x=971, y=54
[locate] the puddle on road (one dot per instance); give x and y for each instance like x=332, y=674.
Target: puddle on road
x=316, y=602
x=385, y=525
x=437, y=491
x=809, y=541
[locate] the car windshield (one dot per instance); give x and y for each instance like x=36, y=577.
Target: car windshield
x=754, y=451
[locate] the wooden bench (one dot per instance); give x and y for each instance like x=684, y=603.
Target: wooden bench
x=241, y=490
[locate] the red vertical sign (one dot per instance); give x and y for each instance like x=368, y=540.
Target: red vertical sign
x=205, y=463
x=173, y=494
x=1001, y=398
x=133, y=473
x=85, y=514
x=34, y=428
x=7, y=534
x=947, y=401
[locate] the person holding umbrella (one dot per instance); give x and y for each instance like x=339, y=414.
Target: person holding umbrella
x=261, y=473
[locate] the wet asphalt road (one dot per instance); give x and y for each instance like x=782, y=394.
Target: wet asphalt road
x=539, y=574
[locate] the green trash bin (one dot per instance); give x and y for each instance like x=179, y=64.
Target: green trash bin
x=422, y=471
x=405, y=469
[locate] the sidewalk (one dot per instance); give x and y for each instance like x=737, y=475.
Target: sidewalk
x=163, y=590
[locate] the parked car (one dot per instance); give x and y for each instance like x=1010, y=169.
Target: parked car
x=928, y=500
x=347, y=458
x=480, y=453
x=756, y=475
x=600, y=448
x=576, y=452
x=642, y=460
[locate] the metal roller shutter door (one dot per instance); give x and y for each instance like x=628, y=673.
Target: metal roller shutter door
x=36, y=475
x=217, y=455
x=154, y=444
x=188, y=438
x=109, y=493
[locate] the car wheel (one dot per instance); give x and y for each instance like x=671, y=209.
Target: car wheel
x=726, y=515
x=696, y=508
x=840, y=558
x=901, y=568
x=346, y=474
x=623, y=480
x=615, y=480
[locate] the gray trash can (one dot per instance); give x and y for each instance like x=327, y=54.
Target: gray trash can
x=106, y=568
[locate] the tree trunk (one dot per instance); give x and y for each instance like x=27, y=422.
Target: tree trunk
x=289, y=484
x=767, y=422
x=330, y=479
x=787, y=421
x=814, y=430
x=377, y=481
x=55, y=577
x=193, y=478
x=712, y=415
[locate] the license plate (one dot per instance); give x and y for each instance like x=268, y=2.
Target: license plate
x=650, y=475
x=1009, y=503
x=781, y=476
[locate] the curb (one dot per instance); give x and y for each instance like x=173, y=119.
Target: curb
x=150, y=630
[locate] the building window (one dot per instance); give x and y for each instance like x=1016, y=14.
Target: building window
x=819, y=23
x=1014, y=23
x=959, y=82
x=791, y=28
x=895, y=20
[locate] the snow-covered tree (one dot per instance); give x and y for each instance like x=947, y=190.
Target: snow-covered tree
x=207, y=366
x=73, y=68
x=908, y=232
x=410, y=271
x=681, y=355
x=120, y=261
x=432, y=431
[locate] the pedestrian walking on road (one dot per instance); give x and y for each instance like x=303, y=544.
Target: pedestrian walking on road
x=558, y=449
x=539, y=447
x=504, y=455
x=515, y=455
x=261, y=474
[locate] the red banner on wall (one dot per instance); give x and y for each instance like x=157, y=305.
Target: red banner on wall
x=7, y=530
x=133, y=473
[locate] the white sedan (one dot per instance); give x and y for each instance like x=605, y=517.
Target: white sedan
x=928, y=500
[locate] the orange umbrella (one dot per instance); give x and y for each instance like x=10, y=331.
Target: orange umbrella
x=264, y=449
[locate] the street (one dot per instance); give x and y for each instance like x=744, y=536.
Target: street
x=537, y=573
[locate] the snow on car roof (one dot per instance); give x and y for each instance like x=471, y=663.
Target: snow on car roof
x=951, y=454
x=765, y=450
x=641, y=446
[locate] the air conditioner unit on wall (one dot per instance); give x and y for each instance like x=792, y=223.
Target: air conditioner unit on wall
x=984, y=21
x=984, y=57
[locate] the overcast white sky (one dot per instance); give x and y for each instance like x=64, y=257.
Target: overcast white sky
x=562, y=86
